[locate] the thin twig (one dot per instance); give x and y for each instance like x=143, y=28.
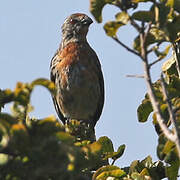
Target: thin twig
x=113, y=162
x=135, y=76
x=126, y=47
x=156, y=61
x=171, y=113
x=147, y=32
x=135, y=25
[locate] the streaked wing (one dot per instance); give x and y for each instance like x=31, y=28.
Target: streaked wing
x=53, y=76
x=100, y=105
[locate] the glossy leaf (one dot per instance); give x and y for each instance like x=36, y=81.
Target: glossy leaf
x=147, y=162
x=6, y=96
x=122, y=17
x=65, y=137
x=108, y=171
x=172, y=171
x=169, y=66
x=177, y=5
x=119, y=152
x=159, y=35
x=170, y=3
x=164, y=53
x=137, y=176
x=106, y=144
x=112, y=27
x=150, y=40
x=144, y=110
x=168, y=147
x=144, y=16
x=44, y=82
x=96, y=8
x=115, y=155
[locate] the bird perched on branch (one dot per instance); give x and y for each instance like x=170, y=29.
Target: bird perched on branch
x=76, y=72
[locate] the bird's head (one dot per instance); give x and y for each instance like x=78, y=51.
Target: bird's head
x=76, y=27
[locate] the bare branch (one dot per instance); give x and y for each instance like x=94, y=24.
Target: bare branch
x=135, y=25
x=148, y=30
x=156, y=61
x=135, y=76
x=126, y=47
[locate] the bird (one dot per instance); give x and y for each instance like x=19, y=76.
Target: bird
x=76, y=72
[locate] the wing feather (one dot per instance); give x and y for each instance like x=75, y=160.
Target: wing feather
x=53, y=76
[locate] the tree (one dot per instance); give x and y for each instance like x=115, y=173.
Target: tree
x=44, y=149
x=160, y=24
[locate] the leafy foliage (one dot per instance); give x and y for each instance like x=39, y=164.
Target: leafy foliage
x=33, y=148
x=44, y=148
x=161, y=27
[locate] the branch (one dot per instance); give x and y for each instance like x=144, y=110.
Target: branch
x=135, y=76
x=156, y=61
x=151, y=92
x=155, y=104
x=126, y=47
x=135, y=25
x=171, y=113
x=8, y=152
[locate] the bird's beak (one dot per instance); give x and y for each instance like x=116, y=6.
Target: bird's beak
x=87, y=21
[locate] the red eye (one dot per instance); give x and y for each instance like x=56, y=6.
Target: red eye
x=73, y=21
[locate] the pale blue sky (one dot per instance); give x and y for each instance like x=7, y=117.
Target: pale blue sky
x=29, y=36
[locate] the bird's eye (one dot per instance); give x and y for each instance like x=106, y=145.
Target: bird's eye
x=73, y=21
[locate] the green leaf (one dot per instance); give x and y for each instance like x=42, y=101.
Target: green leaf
x=177, y=5
x=174, y=82
x=168, y=147
x=108, y=171
x=169, y=66
x=3, y=159
x=96, y=7
x=164, y=53
x=22, y=93
x=170, y=3
x=122, y=17
x=137, y=176
x=144, y=16
x=136, y=166
x=106, y=143
x=150, y=40
x=159, y=34
x=8, y=118
x=144, y=110
x=115, y=155
x=64, y=136
x=112, y=27
x=119, y=152
x=147, y=162
x=6, y=96
x=144, y=172
x=172, y=171
x=162, y=13
x=173, y=28
x=45, y=83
